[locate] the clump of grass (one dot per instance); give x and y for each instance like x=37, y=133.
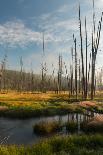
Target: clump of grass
x=71, y=126
x=93, y=127
x=44, y=128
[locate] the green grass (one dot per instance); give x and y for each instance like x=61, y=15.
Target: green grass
x=60, y=145
x=42, y=108
x=25, y=112
x=72, y=126
x=35, y=109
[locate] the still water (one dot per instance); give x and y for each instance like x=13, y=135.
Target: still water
x=17, y=131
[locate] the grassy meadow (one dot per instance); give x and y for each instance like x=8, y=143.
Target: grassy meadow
x=31, y=105
x=26, y=105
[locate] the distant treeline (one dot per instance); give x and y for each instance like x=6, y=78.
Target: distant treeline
x=15, y=80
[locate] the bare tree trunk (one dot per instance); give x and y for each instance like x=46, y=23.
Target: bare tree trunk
x=79, y=77
x=76, y=90
x=86, y=82
x=82, y=59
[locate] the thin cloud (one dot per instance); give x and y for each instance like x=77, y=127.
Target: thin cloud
x=15, y=33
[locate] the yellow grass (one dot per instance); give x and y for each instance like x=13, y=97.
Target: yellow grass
x=34, y=100
x=32, y=96
x=48, y=103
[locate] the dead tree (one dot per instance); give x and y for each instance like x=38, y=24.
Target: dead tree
x=86, y=81
x=71, y=73
x=79, y=77
x=95, y=45
x=21, y=75
x=76, y=89
x=44, y=69
x=60, y=74
x=82, y=58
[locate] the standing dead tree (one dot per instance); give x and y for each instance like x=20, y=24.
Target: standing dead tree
x=86, y=81
x=95, y=46
x=76, y=89
x=71, y=73
x=82, y=57
x=79, y=77
x=60, y=74
x=3, y=73
x=44, y=69
x=20, y=83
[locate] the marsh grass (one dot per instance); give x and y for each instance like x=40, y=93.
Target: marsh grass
x=93, y=127
x=34, y=105
x=60, y=145
x=72, y=126
x=46, y=127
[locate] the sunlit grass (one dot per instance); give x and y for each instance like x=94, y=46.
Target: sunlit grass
x=40, y=104
x=60, y=145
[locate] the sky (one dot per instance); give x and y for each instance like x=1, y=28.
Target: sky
x=23, y=22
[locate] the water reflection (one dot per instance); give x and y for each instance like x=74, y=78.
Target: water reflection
x=21, y=131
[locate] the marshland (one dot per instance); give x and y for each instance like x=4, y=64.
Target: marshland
x=51, y=77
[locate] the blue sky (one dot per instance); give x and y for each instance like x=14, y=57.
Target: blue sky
x=23, y=21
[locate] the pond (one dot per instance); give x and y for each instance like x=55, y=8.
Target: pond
x=17, y=131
